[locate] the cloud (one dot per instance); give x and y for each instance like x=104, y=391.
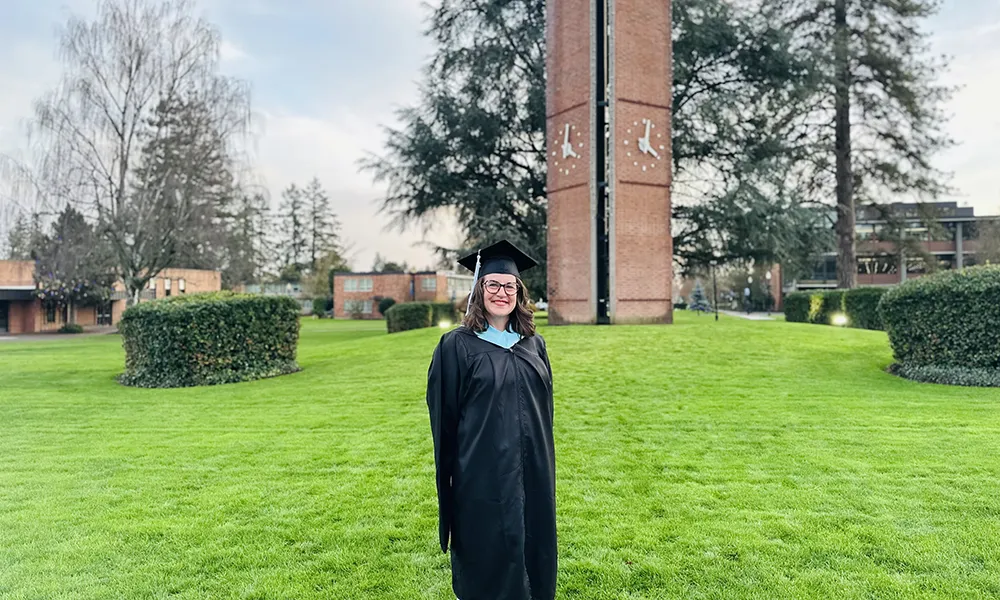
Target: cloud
x=293, y=148
x=973, y=120
x=229, y=52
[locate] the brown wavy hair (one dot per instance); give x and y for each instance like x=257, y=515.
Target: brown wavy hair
x=521, y=319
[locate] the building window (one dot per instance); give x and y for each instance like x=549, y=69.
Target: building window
x=50, y=313
x=885, y=264
x=166, y=286
x=363, y=307
x=865, y=231
x=358, y=284
x=916, y=265
x=824, y=270
x=181, y=286
x=429, y=284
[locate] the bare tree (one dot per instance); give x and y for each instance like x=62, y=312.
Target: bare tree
x=127, y=134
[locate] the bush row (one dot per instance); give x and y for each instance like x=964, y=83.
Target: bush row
x=859, y=305
x=417, y=315
x=206, y=339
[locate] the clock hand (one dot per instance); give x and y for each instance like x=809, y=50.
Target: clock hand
x=648, y=122
x=566, y=138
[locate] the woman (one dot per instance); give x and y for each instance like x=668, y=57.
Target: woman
x=489, y=392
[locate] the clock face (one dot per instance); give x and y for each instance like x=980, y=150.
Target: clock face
x=565, y=149
x=644, y=146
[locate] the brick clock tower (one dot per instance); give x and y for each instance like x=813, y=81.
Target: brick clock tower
x=610, y=251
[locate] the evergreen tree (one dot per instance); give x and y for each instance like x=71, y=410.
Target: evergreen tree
x=247, y=248
x=699, y=302
x=323, y=227
x=293, y=231
x=23, y=237
x=875, y=99
x=73, y=265
x=186, y=174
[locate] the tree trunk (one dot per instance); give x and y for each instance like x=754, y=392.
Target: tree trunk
x=847, y=270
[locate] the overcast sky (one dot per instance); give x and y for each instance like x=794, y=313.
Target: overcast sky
x=326, y=74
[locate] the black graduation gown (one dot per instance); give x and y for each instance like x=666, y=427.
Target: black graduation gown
x=491, y=417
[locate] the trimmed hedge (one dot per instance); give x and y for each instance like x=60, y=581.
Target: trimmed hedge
x=946, y=326
x=797, y=307
x=830, y=302
x=861, y=306
x=385, y=304
x=322, y=305
x=948, y=375
x=443, y=311
x=409, y=315
x=71, y=328
x=208, y=339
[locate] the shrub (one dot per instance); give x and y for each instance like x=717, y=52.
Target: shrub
x=946, y=326
x=861, y=306
x=948, y=375
x=385, y=304
x=443, y=311
x=207, y=339
x=797, y=307
x=824, y=304
x=71, y=328
x=320, y=306
x=409, y=315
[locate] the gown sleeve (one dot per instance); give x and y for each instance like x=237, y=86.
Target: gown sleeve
x=443, y=389
x=548, y=367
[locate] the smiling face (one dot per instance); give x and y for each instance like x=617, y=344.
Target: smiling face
x=499, y=303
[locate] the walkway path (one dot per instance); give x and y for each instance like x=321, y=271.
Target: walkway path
x=52, y=336
x=755, y=316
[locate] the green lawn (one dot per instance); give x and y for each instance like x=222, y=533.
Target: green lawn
x=720, y=460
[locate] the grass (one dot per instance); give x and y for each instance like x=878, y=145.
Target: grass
x=729, y=460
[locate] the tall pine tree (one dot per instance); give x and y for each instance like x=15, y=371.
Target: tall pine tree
x=293, y=230
x=323, y=225
x=248, y=251
x=875, y=101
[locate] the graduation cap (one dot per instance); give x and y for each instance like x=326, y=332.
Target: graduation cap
x=501, y=257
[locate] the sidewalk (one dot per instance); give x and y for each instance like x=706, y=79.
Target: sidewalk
x=754, y=316
x=52, y=336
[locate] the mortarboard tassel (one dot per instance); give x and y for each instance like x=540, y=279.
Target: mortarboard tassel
x=475, y=278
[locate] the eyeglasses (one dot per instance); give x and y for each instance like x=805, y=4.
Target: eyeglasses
x=493, y=287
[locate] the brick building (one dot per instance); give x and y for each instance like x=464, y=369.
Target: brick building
x=356, y=295
x=294, y=291
x=22, y=312
x=953, y=242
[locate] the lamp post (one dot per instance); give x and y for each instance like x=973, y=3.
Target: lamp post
x=715, y=292
x=768, y=277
